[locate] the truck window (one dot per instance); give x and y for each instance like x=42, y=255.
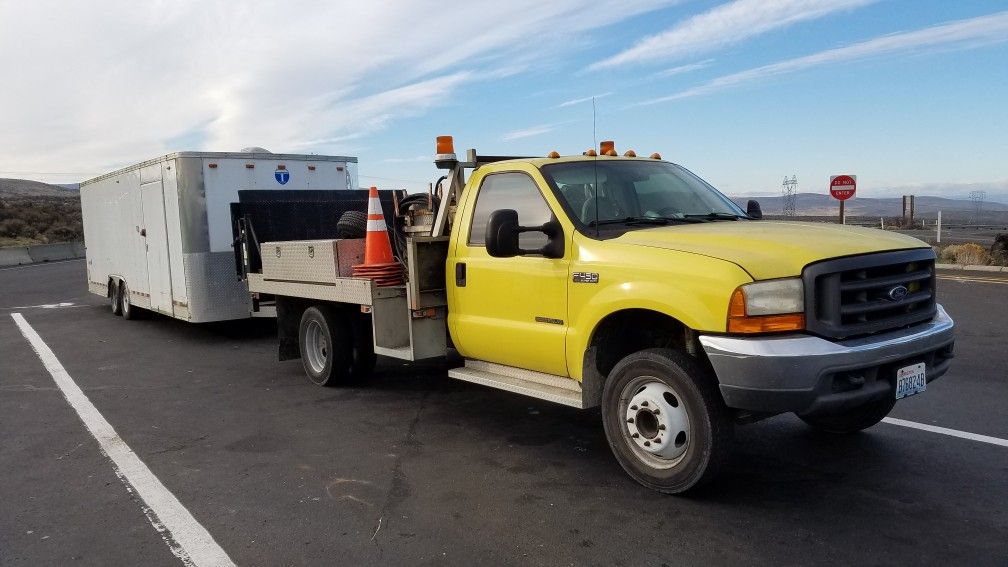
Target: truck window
x=510, y=191
x=632, y=188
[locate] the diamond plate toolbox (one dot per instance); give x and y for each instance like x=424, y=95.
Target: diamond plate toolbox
x=310, y=261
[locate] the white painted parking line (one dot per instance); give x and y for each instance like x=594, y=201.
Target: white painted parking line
x=947, y=431
x=61, y=305
x=188, y=540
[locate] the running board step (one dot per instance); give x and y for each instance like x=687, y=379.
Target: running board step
x=549, y=387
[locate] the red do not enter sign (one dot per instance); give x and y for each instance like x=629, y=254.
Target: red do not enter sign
x=842, y=187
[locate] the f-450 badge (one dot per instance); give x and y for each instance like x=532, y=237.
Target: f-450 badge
x=585, y=277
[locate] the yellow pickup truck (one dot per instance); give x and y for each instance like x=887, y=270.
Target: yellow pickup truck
x=630, y=284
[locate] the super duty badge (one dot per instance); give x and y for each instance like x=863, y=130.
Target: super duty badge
x=585, y=277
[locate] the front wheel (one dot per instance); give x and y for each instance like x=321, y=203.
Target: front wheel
x=665, y=420
x=851, y=421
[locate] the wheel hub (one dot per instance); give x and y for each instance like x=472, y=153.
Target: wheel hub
x=317, y=346
x=657, y=421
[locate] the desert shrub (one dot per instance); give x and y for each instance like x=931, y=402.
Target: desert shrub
x=969, y=254
x=999, y=250
x=30, y=220
x=12, y=227
x=946, y=255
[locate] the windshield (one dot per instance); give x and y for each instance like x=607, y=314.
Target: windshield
x=636, y=190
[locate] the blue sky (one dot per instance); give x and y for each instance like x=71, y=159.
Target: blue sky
x=909, y=95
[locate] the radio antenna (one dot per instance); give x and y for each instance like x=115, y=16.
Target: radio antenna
x=595, y=162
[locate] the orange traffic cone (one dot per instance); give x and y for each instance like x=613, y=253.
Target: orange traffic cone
x=379, y=264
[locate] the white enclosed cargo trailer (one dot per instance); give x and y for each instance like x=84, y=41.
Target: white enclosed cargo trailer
x=158, y=233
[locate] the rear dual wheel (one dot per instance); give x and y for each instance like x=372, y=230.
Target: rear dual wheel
x=665, y=420
x=336, y=346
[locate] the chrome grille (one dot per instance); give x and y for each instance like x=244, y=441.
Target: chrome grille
x=872, y=293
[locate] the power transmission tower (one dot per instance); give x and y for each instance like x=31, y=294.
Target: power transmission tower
x=978, y=198
x=790, y=190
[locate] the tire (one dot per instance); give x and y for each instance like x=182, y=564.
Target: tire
x=851, y=421
x=115, y=297
x=331, y=347
x=126, y=308
x=352, y=224
x=648, y=396
x=364, y=358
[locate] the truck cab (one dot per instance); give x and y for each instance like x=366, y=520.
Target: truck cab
x=630, y=284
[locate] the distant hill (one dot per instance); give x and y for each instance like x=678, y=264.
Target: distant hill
x=818, y=204
x=36, y=213
x=28, y=188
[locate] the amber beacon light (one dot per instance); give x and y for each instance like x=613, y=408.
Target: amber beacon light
x=445, y=157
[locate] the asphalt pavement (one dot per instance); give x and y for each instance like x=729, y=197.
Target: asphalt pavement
x=414, y=468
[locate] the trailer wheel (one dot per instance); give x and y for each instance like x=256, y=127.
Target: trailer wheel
x=327, y=346
x=125, y=305
x=665, y=420
x=114, y=297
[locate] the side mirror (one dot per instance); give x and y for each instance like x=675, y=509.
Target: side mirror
x=502, y=236
x=753, y=209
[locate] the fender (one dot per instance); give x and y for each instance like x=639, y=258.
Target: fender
x=690, y=288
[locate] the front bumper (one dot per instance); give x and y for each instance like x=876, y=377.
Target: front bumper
x=809, y=375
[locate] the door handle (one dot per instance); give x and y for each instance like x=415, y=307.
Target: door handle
x=460, y=274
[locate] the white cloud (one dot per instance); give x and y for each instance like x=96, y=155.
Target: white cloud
x=580, y=100
x=529, y=132
x=688, y=68
x=725, y=25
x=112, y=82
x=970, y=33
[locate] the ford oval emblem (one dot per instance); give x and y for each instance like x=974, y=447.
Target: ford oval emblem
x=898, y=293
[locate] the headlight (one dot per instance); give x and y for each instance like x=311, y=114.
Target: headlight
x=767, y=307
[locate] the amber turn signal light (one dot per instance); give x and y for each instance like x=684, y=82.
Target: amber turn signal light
x=739, y=322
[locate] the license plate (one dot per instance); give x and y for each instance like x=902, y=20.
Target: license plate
x=910, y=380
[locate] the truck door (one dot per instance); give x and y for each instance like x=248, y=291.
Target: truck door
x=156, y=241
x=510, y=311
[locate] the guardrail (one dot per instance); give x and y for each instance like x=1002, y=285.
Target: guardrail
x=37, y=253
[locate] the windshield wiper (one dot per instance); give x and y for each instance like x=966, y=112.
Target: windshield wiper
x=717, y=216
x=645, y=221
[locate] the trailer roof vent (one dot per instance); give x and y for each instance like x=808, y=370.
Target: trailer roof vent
x=255, y=150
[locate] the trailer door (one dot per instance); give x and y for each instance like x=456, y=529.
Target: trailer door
x=158, y=270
